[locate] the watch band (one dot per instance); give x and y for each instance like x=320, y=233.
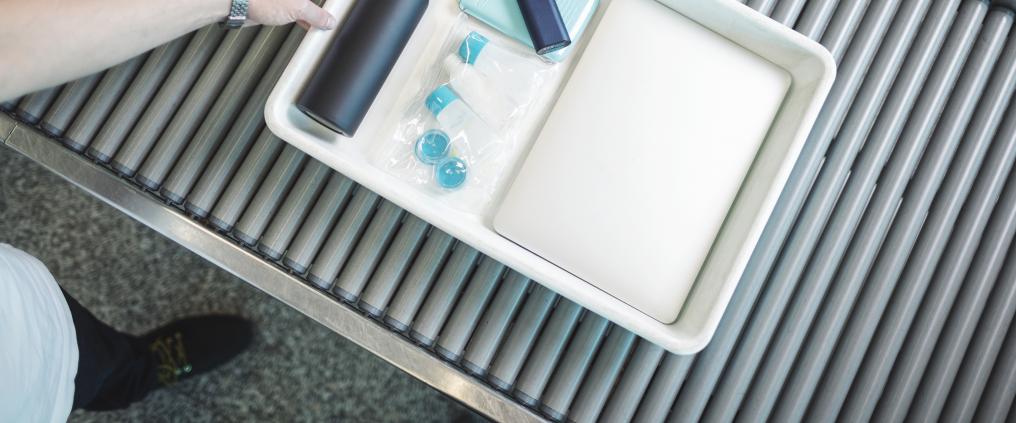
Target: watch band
x=237, y=14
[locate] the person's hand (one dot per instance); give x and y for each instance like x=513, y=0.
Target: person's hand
x=280, y=12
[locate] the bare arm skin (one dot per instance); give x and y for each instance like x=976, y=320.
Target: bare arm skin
x=48, y=42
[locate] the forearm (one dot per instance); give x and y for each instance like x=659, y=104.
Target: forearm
x=38, y=36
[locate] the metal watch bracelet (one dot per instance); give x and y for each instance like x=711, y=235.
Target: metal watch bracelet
x=237, y=14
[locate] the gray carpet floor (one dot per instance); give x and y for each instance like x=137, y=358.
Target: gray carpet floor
x=134, y=279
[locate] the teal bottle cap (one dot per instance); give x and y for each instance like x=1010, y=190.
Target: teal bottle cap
x=471, y=47
x=433, y=146
x=440, y=98
x=451, y=173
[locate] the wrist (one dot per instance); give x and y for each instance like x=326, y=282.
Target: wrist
x=214, y=11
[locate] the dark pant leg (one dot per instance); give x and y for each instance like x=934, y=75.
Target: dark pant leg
x=114, y=370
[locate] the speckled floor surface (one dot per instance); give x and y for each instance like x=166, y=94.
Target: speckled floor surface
x=134, y=279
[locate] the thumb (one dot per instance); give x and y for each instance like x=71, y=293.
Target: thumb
x=316, y=16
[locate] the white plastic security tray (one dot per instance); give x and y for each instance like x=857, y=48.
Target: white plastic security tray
x=810, y=66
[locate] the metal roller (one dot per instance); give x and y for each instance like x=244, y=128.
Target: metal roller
x=512, y=354
x=394, y=266
x=662, y=391
x=883, y=347
x=967, y=299
x=418, y=280
x=969, y=236
x=158, y=65
x=764, y=7
x=101, y=103
x=319, y=223
x=920, y=192
x=855, y=65
x=249, y=122
x=224, y=167
x=216, y=122
x=543, y=358
x=993, y=329
x=596, y=387
x=837, y=304
x=835, y=36
x=9, y=105
x=816, y=17
x=781, y=294
x=809, y=250
x=875, y=294
x=245, y=182
x=983, y=352
x=269, y=196
x=493, y=327
x=634, y=382
x=68, y=104
x=440, y=300
x=32, y=107
x=966, y=342
x=995, y=405
x=786, y=12
x=371, y=248
x=835, y=33
x=294, y=209
x=462, y=322
x=194, y=109
x=340, y=243
x=564, y=385
x=163, y=107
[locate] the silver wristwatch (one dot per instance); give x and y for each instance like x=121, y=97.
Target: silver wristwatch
x=237, y=14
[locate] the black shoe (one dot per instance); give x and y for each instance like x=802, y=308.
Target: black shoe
x=195, y=345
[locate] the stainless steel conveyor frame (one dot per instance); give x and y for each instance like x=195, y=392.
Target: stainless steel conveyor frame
x=250, y=267
x=884, y=286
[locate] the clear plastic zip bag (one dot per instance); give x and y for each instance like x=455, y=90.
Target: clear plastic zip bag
x=460, y=135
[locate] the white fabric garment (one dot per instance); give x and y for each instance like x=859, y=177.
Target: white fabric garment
x=38, y=345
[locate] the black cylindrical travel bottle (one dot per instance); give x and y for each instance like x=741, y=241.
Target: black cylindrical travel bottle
x=356, y=65
x=545, y=25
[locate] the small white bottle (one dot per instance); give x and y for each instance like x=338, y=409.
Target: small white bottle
x=472, y=140
x=490, y=103
x=514, y=74
x=460, y=122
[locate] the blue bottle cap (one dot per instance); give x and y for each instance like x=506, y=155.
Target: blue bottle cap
x=433, y=146
x=440, y=98
x=471, y=47
x=451, y=173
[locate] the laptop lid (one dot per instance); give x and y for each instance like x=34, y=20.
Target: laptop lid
x=632, y=176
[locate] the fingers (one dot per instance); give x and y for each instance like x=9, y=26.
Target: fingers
x=316, y=17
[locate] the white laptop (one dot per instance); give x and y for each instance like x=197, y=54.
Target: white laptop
x=630, y=180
